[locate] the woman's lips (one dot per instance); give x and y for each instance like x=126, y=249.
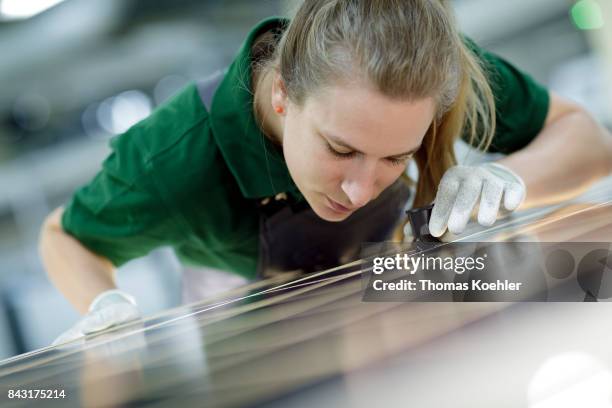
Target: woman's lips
x=334, y=205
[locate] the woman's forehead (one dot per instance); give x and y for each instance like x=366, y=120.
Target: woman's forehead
x=368, y=120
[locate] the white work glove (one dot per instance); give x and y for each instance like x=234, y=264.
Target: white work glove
x=108, y=309
x=462, y=186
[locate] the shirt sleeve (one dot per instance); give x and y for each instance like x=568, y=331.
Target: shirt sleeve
x=521, y=104
x=119, y=214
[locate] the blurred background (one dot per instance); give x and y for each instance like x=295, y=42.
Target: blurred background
x=75, y=73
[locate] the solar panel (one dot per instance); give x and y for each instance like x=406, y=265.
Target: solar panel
x=311, y=340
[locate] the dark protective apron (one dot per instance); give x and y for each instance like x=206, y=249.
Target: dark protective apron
x=292, y=237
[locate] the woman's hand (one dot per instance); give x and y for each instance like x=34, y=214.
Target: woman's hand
x=462, y=186
x=110, y=308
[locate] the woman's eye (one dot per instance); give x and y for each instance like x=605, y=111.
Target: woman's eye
x=397, y=162
x=337, y=153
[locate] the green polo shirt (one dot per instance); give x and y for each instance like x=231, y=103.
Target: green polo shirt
x=188, y=178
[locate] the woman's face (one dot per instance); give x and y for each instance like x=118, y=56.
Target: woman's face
x=346, y=144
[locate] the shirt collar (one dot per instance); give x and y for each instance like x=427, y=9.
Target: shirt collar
x=256, y=163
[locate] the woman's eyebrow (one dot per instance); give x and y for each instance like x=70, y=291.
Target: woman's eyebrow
x=342, y=143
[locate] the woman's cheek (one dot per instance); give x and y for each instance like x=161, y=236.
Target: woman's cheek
x=391, y=176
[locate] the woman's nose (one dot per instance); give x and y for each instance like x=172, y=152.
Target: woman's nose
x=359, y=185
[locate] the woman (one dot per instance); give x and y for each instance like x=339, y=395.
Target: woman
x=296, y=160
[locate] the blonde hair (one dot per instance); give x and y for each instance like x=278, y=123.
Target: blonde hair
x=408, y=50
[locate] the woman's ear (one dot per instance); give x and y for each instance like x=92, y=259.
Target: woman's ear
x=279, y=94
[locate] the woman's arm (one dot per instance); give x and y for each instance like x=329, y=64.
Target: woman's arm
x=570, y=153
x=77, y=272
